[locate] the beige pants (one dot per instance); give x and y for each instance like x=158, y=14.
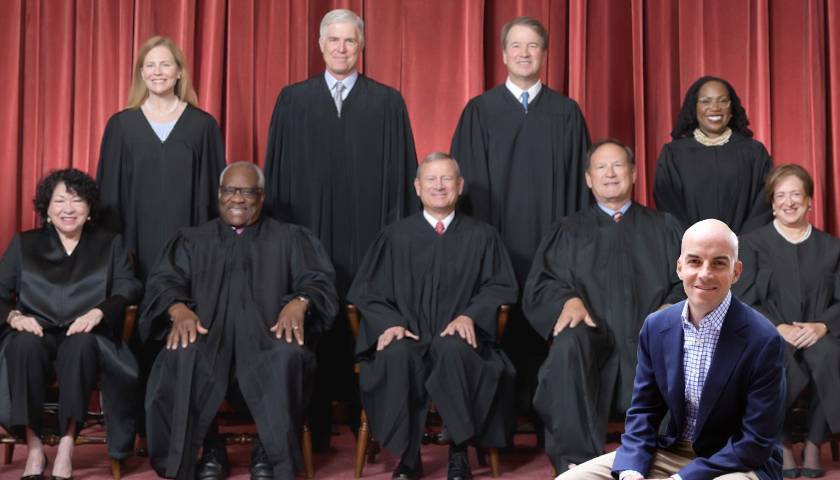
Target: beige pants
x=666, y=463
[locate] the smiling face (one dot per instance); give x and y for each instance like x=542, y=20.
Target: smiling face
x=240, y=197
x=714, y=108
x=790, y=202
x=708, y=265
x=340, y=46
x=438, y=185
x=523, y=55
x=611, y=176
x=160, y=71
x=67, y=211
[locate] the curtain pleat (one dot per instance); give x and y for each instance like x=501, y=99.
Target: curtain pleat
x=627, y=63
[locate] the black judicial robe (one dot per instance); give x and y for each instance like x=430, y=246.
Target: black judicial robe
x=623, y=272
x=55, y=289
x=149, y=189
x=343, y=178
x=415, y=278
x=797, y=283
x=694, y=182
x=237, y=285
x=523, y=172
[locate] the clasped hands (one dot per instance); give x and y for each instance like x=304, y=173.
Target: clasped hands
x=463, y=326
x=82, y=324
x=186, y=327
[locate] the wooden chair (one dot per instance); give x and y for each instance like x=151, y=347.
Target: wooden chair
x=227, y=416
x=368, y=447
x=96, y=417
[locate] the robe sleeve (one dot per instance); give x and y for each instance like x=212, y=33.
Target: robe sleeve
x=579, y=144
x=753, y=285
x=210, y=164
x=401, y=163
x=373, y=294
x=760, y=212
x=124, y=289
x=111, y=177
x=667, y=187
x=167, y=284
x=9, y=280
x=497, y=287
x=550, y=283
x=831, y=315
x=674, y=231
x=469, y=147
x=313, y=276
x=274, y=152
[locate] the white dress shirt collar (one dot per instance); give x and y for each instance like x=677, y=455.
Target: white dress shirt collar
x=533, y=90
x=433, y=221
x=348, y=82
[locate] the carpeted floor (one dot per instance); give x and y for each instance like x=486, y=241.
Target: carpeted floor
x=524, y=462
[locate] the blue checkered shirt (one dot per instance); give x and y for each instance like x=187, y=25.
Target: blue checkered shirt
x=699, y=348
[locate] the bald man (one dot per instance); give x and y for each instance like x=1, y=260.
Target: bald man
x=711, y=344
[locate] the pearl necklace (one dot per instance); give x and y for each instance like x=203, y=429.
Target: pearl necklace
x=712, y=142
x=148, y=108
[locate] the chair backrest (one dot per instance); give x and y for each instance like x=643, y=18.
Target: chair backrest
x=128, y=322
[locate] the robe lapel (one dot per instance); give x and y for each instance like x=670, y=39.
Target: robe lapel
x=728, y=353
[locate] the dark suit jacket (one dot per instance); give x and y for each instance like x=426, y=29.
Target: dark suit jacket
x=741, y=408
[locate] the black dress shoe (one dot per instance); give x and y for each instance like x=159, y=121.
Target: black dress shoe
x=213, y=464
x=812, y=472
x=459, y=465
x=790, y=472
x=261, y=467
x=403, y=472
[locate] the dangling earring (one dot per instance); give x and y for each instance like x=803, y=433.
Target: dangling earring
x=49, y=220
x=88, y=218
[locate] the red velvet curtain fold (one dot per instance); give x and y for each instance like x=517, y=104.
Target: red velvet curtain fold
x=627, y=62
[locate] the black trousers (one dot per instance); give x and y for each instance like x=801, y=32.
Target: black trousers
x=397, y=384
x=33, y=362
x=571, y=397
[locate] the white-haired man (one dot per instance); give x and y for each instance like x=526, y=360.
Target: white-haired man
x=340, y=161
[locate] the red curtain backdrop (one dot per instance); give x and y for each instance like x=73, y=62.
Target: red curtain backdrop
x=627, y=62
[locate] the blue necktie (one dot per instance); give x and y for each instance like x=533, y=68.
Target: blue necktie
x=525, y=96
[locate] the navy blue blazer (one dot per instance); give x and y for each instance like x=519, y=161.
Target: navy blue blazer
x=741, y=407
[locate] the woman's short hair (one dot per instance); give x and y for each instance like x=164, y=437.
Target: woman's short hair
x=778, y=173
x=75, y=181
x=687, y=118
x=183, y=86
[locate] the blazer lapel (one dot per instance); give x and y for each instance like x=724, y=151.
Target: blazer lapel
x=728, y=352
x=672, y=356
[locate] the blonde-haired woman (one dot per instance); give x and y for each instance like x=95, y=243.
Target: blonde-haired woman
x=159, y=164
x=161, y=157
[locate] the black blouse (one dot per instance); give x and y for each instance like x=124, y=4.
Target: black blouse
x=41, y=280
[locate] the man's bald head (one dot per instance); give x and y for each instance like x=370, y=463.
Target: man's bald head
x=711, y=229
x=708, y=266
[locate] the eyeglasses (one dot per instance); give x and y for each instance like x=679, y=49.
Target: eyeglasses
x=707, y=102
x=246, y=193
